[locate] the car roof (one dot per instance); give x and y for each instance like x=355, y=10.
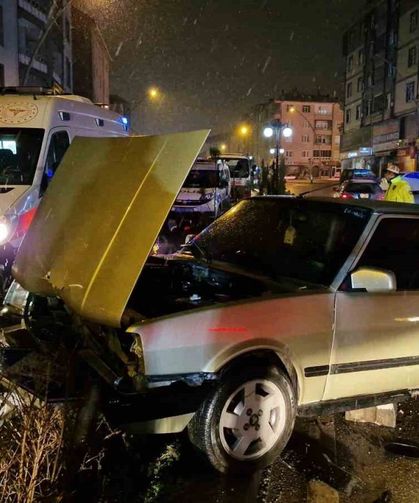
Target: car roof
x=382, y=207
x=207, y=165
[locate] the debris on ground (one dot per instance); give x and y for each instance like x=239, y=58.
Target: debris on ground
x=381, y=415
x=319, y=492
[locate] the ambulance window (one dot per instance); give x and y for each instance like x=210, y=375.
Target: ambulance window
x=57, y=147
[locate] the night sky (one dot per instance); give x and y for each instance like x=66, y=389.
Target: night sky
x=214, y=59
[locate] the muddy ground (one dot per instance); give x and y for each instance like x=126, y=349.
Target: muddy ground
x=350, y=457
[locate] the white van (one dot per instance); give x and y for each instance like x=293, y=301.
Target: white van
x=206, y=190
x=36, y=128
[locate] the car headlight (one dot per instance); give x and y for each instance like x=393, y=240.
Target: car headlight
x=5, y=231
x=8, y=225
x=16, y=299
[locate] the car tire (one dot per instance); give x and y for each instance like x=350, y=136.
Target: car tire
x=247, y=421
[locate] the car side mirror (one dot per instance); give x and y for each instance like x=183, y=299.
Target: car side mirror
x=372, y=279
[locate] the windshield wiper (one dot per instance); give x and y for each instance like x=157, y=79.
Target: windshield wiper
x=205, y=256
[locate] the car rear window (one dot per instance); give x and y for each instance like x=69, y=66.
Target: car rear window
x=366, y=188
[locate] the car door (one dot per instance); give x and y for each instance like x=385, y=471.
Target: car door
x=375, y=346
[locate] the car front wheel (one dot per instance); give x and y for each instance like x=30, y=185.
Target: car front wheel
x=245, y=424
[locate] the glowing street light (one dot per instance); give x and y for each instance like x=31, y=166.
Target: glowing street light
x=277, y=129
x=287, y=132
x=223, y=147
x=244, y=130
x=153, y=93
x=268, y=132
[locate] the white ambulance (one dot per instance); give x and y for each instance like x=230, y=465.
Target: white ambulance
x=36, y=128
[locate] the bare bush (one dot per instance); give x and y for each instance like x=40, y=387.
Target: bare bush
x=31, y=443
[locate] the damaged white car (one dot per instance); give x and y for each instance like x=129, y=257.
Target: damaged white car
x=282, y=306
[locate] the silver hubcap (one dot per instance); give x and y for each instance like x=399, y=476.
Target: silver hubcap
x=252, y=420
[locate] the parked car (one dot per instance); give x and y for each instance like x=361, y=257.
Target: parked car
x=282, y=307
x=357, y=173
x=359, y=189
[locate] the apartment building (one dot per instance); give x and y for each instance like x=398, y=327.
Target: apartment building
x=381, y=74
x=23, y=61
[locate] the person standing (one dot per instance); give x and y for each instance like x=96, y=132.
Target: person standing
x=399, y=191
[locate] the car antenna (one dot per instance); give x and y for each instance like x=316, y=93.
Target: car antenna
x=319, y=188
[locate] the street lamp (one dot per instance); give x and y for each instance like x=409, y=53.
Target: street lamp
x=268, y=132
x=278, y=129
x=223, y=147
x=244, y=132
x=153, y=93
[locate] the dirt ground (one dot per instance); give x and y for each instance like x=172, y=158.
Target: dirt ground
x=350, y=457
x=368, y=472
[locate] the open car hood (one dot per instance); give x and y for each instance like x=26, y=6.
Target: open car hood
x=100, y=217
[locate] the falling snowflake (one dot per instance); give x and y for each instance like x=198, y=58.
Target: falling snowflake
x=118, y=50
x=267, y=62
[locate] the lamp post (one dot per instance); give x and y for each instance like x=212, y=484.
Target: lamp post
x=244, y=131
x=277, y=129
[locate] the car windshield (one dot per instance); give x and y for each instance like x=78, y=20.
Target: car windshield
x=201, y=179
x=239, y=168
x=19, y=153
x=297, y=239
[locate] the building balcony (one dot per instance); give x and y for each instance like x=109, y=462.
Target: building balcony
x=36, y=64
x=34, y=8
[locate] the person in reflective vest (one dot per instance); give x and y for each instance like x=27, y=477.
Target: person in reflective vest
x=399, y=191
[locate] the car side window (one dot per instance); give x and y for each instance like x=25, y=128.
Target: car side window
x=395, y=247
x=58, y=145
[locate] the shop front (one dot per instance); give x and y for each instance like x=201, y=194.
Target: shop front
x=385, y=141
x=356, y=150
